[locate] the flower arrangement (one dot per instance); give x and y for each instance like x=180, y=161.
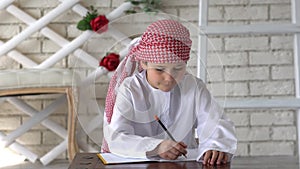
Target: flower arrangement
x=99, y=23
x=110, y=61
x=91, y=21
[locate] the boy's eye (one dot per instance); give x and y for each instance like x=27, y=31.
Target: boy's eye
x=159, y=69
x=178, y=69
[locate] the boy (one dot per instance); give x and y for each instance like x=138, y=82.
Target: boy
x=152, y=80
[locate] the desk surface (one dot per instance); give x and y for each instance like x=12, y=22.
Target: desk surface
x=91, y=161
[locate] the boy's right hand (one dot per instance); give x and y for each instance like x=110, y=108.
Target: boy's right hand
x=171, y=150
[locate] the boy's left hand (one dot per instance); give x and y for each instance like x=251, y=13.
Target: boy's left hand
x=212, y=157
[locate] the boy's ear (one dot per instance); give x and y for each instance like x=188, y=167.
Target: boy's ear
x=144, y=65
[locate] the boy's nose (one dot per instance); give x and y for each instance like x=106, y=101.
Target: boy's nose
x=169, y=76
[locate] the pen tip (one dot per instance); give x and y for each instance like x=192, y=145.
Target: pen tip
x=156, y=118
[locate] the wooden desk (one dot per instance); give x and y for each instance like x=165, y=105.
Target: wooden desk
x=91, y=161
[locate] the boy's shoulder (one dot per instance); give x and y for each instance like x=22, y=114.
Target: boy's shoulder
x=134, y=80
x=192, y=80
x=134, y=77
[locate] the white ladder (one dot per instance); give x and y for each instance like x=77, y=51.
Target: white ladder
x=293, y=28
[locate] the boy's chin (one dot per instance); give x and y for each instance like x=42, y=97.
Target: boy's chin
x=166, y=89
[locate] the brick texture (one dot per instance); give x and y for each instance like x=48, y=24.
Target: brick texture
x=239, y=66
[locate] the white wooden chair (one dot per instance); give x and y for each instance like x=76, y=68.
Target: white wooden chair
x=16, y=83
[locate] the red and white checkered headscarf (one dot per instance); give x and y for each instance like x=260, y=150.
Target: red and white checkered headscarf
x=164, y=41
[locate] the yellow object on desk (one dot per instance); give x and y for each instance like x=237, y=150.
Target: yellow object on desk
x=110, y=158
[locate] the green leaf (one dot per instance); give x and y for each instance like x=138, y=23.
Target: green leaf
x=83, y=25
x=135, y=2
x=90, y=17
x=147, y=9
x=92, y=8
x=130, y=11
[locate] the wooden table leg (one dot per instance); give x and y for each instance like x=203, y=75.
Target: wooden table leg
x=72, y=119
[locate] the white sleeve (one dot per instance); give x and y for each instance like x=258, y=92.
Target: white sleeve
x=120, y=134
x=215, y=131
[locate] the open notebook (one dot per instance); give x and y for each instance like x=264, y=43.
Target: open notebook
x=109, y=158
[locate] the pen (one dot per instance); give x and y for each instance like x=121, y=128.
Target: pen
x=166, y=130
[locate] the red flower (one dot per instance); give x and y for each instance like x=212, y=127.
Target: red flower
x=110, y=61
x=99, y=23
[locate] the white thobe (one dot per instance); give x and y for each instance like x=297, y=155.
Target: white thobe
x=133, y=130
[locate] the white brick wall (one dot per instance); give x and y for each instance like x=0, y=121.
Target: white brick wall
x=31, y=138
x=272, y=148
x=10, y=122
x=277, y=118
x=7, y=31
x=272, y=88
x=38, y=4
x=255, y=66
x=215, y=44
x=228, y=59
x=282, y=42
x=253, y=133
x=266, y=58
x=246, y=13
x=246, y=43
x=289, y=132
x=282, y=72
x=280, y=12
x=247, y=73
x=239, y=67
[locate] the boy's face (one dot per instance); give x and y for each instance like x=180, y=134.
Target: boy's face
x=164, y=76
